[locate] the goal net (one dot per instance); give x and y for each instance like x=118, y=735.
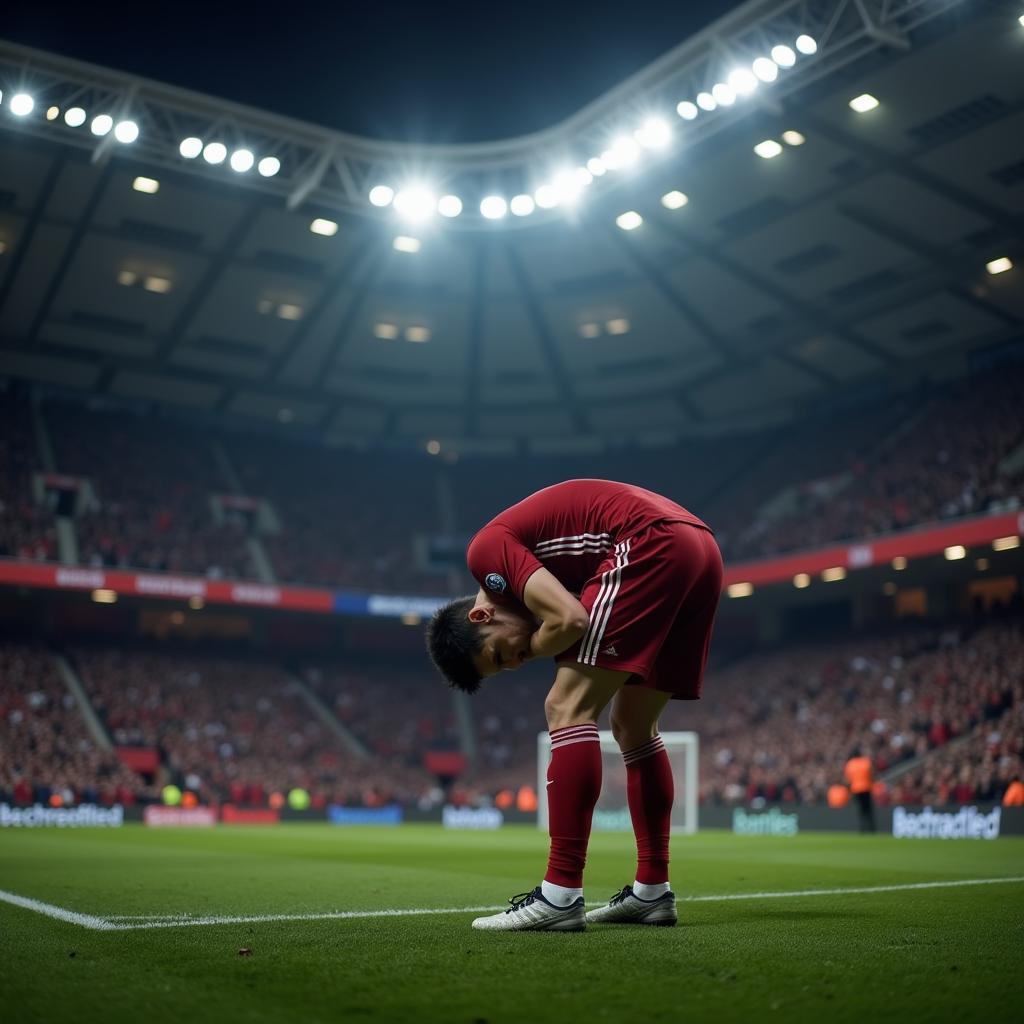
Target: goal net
x=612, y=812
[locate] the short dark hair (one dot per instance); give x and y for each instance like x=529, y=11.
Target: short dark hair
x=453, y=641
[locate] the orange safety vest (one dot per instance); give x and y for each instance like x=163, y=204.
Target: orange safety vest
x=1014, y=795
x=858, y=774
x=838, y=795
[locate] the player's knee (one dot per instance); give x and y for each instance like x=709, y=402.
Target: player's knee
x=631, y=730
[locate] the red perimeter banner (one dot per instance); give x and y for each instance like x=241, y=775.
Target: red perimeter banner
x=165, y=585
x=929, y=540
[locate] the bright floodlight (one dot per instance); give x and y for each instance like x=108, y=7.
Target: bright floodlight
x=623, y=152
x=101, y=124
x=706, y=101
x=1021, y=20
x=783, y=56
x=567, y=186
x=629, y=221
x=863, y=103
x=382, y=195
x=687, y=110
x=674, y=200
x=415, y=203
x=449, y=206
x=546, y=197
x=269, y=166
x=596, y=166
x=493, y=207
x=52, y=113
x=654, y=133
x=215, y=152
x=807, y=45
x=793, y=138
x=126, y=131
x=1000, y=265
x=417, y=333
x=22, y=104
x=590, y=330
x=743, y=81
x=583, y=177
x=406, y=244
x=74, y=117
x=521, y=205
x=322, y=226
x=190, y=148
x=242, y=160
x=147, y=185
x=724, y=95
x=768, y=149
x=765, y=69
x=620, y=325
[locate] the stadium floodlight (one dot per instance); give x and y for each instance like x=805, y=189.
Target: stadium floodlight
x=765, y=69
x=128, y=278
x=622, y=153
x=590, y=330
x=386, y=332
x=1020, y=21
x=793, y=138
x=493, y=207
x=999, y=266
x=954, y=552
x=654, y=133
x=583, y=177
x=417, y=334
x=725, y=95
x=521, y=205
x=433, y=448
x=863, y=103
x=807, y=45
x=743, y=81
x=22, y=104
x=160, y=285
x=104, y=596
x=406, y=243
x=415, y=203
x=546, y=197
x=768, y=149
x=322, y=226
x=706, y=101
x=899, y=563
x=687, y=110
x=801, y=580
x=126, y=132
x=147, y=185
x=449, y=206
x=740, y=589
x=382, y=195
x=215, y=152
x=268, y=166
x=1006, y=543
x=289, y=311
x=674, y=200
x=629, y=221
x=596, y=166
x=191, y=147
x=101, y=124
x=619, y=325
x=834, y=574
x=568, y=186
x=242, y=160
x=783, y=56
x=74, y=117
x=52, y=113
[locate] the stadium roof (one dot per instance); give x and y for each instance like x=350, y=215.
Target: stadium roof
x=779, y=285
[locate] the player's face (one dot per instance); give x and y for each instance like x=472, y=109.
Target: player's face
x=506, y=634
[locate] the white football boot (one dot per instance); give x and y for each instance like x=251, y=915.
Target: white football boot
x=625, y=907
x=530, y=912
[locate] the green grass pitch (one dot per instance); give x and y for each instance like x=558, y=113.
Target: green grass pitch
x=943, y=954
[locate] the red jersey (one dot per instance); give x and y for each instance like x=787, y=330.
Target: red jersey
x=569, y=529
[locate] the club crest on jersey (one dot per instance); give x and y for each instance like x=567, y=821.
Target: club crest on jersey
x=495, y=582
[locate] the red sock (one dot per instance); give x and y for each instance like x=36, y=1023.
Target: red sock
x=650, y=791
x=574, y=784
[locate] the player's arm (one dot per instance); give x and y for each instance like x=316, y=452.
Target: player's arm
x=563, y=620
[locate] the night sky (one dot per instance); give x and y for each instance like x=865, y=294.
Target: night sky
x=428, y=72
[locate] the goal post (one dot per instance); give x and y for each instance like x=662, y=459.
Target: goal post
x=612, y=811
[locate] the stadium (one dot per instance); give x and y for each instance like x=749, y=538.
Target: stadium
x=265, y=382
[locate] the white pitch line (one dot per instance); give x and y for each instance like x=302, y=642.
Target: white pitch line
x=124, y=923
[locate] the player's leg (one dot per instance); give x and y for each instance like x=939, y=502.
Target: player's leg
x=650, y=792
x=579, y=694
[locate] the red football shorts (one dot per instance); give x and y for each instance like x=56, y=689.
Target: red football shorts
x=652, y=606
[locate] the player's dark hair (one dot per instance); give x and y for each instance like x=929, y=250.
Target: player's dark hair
x=453, y=641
